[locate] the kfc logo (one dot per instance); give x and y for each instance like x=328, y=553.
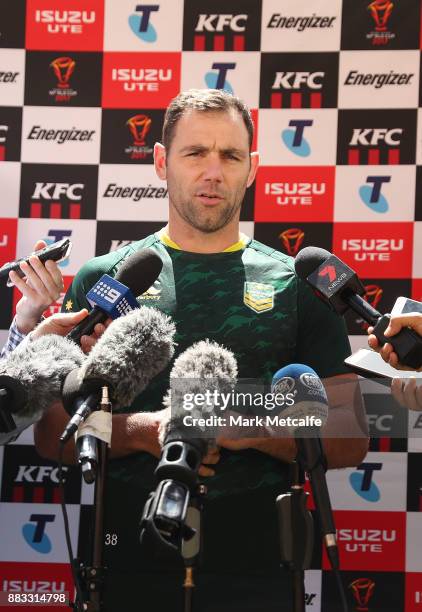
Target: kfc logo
x=207, y=29
x=377, y=137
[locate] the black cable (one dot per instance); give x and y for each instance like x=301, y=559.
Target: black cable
x=79, y=599
x=341, y=590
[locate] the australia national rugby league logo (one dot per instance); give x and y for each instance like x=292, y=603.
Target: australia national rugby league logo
x=259, y=297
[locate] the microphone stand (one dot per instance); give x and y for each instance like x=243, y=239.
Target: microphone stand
x=296, y=532
x=192, y=548
x=93, y=575
x=171, y=518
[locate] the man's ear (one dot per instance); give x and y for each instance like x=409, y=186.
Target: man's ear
x=254, y=167
x=160, y=161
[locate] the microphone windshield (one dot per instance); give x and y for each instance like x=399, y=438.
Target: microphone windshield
x=40, y=367
x=309, y=259
x=140, y=271
x=204, y=367
x=132, y=350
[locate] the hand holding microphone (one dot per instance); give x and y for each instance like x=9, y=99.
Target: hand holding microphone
x=411, y=320
x=114, y=297
x=339, y=287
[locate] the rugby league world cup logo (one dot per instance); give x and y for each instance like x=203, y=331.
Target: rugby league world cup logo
x=292, y=240
x=63, y=68
x=381, y=11
x=139, y=126
x=362, y=589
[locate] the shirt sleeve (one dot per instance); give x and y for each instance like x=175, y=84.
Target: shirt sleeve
x=14, y=339
x=322, y=340
x=75, y=298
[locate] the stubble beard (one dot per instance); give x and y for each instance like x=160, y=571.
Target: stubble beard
x=201, y=220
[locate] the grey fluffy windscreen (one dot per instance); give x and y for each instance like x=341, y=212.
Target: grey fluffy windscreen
x=41, y=366
x=132, y=350
x=205, y=366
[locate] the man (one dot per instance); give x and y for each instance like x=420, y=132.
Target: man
x=218, y=284
x=41, y=287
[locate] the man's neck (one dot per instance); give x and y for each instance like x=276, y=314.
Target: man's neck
x=188, y=238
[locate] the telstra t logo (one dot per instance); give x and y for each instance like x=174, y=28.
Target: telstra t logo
x=372, y=196
x=54, y=235
x=363, y=484
x=140, y=24
x=294, y=139
x=35, y=535
x=217, y=80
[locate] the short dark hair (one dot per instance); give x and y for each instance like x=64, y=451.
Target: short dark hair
x=206, y=101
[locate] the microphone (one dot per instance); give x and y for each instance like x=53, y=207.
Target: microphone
x=132, y=350
x=114, y=297
x=340, y=288
x=203, y=369
x=31, y=379
x=200, y=371
x=310, y=401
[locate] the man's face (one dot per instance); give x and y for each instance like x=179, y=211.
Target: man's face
x=208, y=168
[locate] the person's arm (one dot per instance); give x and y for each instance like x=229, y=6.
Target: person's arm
x=397, y=322
x=131, y=433
x=42, y=287
x=322, y=344
x=13, y=340
x=344, y=437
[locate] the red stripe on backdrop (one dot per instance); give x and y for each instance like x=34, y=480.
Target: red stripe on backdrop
x=75, y=211
x=316, y=100
x=38, y=496
x=17, y=494
x=373, y=157
x=55, y=210
x=384, y=445
x=353, y=157
x=239, y=43
x=276, y=100
x=35, y=211
x=219, y=43
x=296, y=100
x=199, y=42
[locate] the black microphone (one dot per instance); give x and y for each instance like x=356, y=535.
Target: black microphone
x=132, y=350
x=204, y=367
x=137, y=274
x=340, y=288
x=31, y=379
x=310, y=400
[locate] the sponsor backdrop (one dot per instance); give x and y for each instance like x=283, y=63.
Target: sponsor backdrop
x=336, y=96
